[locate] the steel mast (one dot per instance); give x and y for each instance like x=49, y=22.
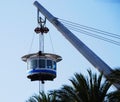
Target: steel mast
x=77, y=43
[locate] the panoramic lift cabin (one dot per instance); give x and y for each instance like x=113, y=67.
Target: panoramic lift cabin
x=41, y=66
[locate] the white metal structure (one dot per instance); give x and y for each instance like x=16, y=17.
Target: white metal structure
x=78, y=44
x=41, y=66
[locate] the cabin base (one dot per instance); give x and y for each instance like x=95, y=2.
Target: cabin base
x=41, y=77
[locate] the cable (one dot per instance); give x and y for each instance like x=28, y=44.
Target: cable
x=95, y=36
x=90, y=29
x=79, y=28
x=51, y=42
x=31, y=43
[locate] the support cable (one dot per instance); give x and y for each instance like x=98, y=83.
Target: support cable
x=51, y=42
x=95, y=36
x=66, y=22
x=85, y=29
x=32, y=41
x=99, y=37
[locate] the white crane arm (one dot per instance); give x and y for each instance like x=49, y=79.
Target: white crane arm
x=77, y=43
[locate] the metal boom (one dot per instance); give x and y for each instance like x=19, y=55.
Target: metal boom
x=77, y=43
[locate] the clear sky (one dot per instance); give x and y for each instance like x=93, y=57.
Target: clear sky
x=17, y=23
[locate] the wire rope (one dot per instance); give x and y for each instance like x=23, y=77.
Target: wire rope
x=51, y=42
x=92, y=32
x=95, y=36
x=90, y=29
x=31, y=43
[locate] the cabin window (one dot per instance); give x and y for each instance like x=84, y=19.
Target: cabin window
x=49, y=64
x=54, y=65
x=32, y=64
x=41, y=63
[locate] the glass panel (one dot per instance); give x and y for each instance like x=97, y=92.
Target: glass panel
x=49, y=64
x=41, y=63
x=33, y=64
x=54, y=65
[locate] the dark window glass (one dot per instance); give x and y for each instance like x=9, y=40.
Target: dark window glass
x=41, y=63
x=33, y=64
x=49, y=64
x=54, y=65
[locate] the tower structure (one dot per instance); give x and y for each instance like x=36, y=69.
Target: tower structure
x=41, y=66
x=95, y=60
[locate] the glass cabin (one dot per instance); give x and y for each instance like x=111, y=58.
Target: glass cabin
x=41, y=66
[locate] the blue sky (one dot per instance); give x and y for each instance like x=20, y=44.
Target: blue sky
x=17, y=23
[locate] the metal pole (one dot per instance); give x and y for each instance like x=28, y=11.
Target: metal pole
x=41, y=86
x=41, y=42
